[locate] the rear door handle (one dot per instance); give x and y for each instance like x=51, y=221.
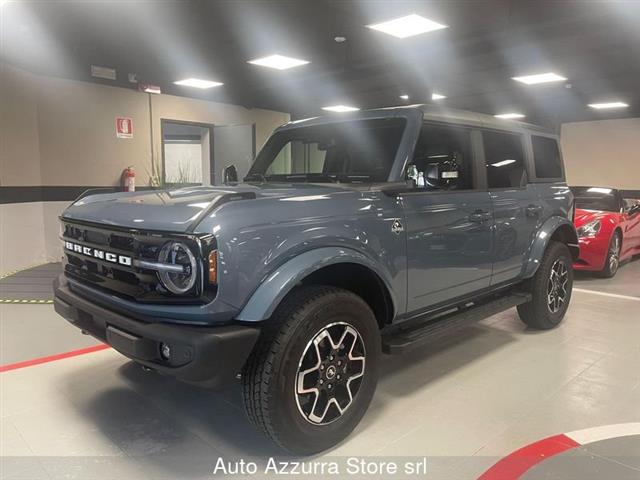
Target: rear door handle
x=479, y=216
x=533, y=210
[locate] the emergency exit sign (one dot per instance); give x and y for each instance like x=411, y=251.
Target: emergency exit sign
x=124, y=127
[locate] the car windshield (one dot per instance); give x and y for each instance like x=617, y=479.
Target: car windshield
x=596, y=198
x=350, y=151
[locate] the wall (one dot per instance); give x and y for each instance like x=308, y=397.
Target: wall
x=18, y=128
x=21, y=236
x=603, y=153
x=58, y=132
x=62, y=132
x=76, y=125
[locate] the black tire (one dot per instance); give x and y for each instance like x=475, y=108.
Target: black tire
x=612, y=262
x=540, y=313
x=269, y=378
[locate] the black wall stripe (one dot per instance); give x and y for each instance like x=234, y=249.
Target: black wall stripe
x=52, y=193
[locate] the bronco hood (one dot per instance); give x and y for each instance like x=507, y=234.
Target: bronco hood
x=181, y=209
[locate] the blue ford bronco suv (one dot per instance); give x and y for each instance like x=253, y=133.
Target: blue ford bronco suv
x=351, y=236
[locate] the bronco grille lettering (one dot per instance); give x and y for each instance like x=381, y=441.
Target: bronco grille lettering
x=99, y=254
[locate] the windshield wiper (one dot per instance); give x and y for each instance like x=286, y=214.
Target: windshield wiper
x=307, y=177
x=255, y=175
x=354, y=178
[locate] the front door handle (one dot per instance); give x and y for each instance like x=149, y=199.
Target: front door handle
x=533, y=210
x=479, y=216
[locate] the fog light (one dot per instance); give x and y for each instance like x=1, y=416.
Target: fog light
x=165, y=351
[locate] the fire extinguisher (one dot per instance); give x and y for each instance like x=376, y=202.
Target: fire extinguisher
x=129, y=179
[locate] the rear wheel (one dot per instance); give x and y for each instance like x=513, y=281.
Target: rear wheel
x=550, y=288
x=312, y=375
x=612, y=262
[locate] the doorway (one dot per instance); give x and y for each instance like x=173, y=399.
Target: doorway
x=187, y=153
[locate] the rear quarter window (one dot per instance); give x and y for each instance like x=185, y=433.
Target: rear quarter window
x=504, y=155
x=546, y=157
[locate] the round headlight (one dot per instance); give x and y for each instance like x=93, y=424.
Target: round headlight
x=177, y=253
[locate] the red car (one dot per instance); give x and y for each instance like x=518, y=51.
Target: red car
x=608, y=229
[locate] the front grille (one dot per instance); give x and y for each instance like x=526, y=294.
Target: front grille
x=129, y=281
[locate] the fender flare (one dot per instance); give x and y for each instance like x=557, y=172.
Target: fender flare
x=542, y=239
x=279, y=283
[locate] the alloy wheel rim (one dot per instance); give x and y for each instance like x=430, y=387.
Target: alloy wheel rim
x=614, y=254
x=330, y=373
x=557, y=286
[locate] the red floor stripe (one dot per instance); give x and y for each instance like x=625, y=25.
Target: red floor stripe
x=52, y=358
x=515, y=464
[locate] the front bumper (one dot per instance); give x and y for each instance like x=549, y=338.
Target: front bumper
x=211, y=356
x=593, y=254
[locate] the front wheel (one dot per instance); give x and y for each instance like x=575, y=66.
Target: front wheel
x=550, y=289
x=312, y=375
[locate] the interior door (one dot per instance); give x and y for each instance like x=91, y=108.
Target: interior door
x=233, y=145
x=448, y=220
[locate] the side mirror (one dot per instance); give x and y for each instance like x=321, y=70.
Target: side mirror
x=634, y=209
x=230, y=174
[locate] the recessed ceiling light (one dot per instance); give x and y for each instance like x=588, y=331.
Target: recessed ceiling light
x=602, y=106
x=279, y=62
x=340, y=108
x=437, y=96
x=404, y=97
x=198, y=83
x=408, y=26
x=540, y=78
x=509, y=116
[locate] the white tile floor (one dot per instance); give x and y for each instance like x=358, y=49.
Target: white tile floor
x=463, y=404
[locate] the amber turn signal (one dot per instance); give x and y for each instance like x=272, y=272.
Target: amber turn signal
x=213, y=267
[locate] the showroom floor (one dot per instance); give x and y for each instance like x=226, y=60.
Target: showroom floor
x=464, y=404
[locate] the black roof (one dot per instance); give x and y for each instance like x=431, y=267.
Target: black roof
x=434, y=113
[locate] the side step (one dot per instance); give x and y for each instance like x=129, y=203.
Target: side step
x=418, y=333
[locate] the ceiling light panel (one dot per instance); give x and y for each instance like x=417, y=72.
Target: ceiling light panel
x=509, y=116
x=604, y=106
x=340, y=108
x=279, y=62
x=538, y=78
x=407, y=26
x=198, y=83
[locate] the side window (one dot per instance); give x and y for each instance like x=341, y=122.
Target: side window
x=504, y=155
x=546, y=157
x=442, y=159
x=297, y=156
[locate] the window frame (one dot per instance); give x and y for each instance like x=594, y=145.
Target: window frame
x=526, y=157
x=535, y=178
x=405, y=147
x=163, y=125
x=477, y=178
